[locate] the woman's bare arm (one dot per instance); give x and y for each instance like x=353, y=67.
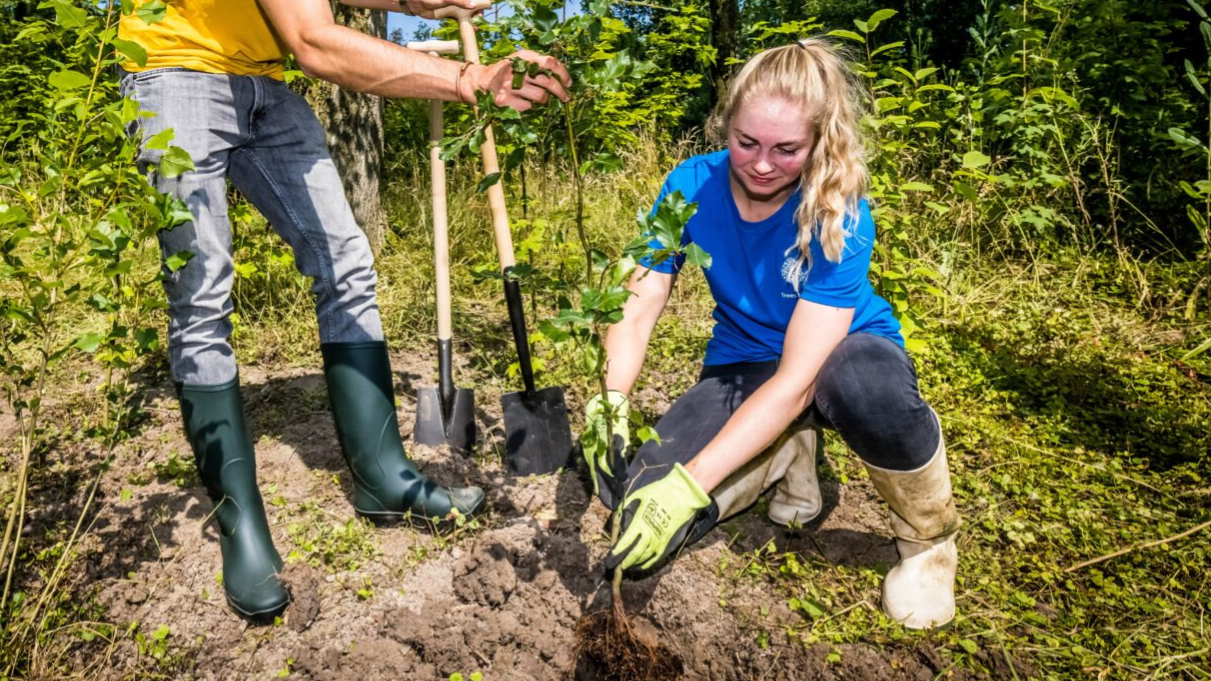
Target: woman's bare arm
x=814, y=331
x=626, y=344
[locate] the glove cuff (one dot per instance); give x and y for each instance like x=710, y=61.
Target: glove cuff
x=617, y=399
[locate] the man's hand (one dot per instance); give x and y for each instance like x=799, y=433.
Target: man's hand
x=425, y=8
x=358, y=62
x=656, y=519
x=607, y=461
x=497, y=79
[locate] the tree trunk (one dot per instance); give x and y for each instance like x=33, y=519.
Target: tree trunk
x=725, y=37
x=354, y=123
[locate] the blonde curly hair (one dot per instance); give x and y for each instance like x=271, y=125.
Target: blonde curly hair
x=816, y=74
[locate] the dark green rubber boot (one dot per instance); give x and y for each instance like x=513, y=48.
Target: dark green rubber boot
x=222, y=448
x=387, y=484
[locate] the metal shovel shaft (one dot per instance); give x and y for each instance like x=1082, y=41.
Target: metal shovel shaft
x=445, y=378
x=517, y=321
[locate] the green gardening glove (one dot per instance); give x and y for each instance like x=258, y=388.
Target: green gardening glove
x=664, y=511
x=606, y=463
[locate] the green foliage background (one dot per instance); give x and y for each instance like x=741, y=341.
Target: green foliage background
x=1043, y=190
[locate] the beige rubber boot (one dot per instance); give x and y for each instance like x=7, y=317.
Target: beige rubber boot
x=797, y=498
x=791, y=453
x=919, y=591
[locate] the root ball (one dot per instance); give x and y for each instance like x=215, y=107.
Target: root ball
x=617, y=649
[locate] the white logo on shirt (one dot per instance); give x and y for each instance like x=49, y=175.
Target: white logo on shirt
x=788, y=266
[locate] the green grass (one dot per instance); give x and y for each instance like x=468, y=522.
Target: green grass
x=336, y=543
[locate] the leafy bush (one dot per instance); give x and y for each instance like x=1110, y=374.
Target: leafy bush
x=77, y=250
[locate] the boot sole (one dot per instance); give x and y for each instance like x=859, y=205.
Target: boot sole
x=387, y=520
x=799, y=518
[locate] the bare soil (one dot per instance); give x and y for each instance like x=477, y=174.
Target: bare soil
x=502, y=598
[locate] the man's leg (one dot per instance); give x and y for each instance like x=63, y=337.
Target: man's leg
x=868, y=390
x=204, y=112
x=286, y=172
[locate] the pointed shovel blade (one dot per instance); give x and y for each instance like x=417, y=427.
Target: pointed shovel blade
x=434, y=428
x=538, y=437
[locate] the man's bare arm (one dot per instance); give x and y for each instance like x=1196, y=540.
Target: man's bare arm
x=356, y=61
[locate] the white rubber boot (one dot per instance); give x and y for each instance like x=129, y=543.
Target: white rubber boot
x=919, y=591
x=791, y=457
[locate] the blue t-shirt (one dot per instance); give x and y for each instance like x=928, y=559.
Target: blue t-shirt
x=750, y=267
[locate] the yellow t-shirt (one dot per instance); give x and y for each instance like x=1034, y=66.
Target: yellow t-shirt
x=214, y=36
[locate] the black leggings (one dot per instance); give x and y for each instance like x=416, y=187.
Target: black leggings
x=866, y=391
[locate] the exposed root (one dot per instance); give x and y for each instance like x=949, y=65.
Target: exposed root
x=617, y=649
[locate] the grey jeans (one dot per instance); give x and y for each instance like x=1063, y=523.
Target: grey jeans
x=254, y=131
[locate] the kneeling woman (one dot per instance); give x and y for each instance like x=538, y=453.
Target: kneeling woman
x=801, y=341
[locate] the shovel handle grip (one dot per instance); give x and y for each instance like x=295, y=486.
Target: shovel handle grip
x=434, y=46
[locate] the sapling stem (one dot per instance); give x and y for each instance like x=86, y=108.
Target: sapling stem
x=576, y=181
x=616, y=519
x=616, y=581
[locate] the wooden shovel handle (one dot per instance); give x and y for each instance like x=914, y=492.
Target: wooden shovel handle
x=437, y=188
x=466, y=31
x=441, y=233
x=496, y=193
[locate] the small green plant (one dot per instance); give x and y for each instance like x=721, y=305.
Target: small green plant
x=177, y=470
x=1199, y=212
x=155, y=645
x=320, y=540
x=907, y=106
x=447, y=531
x=366, y=591
x=417, y=553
